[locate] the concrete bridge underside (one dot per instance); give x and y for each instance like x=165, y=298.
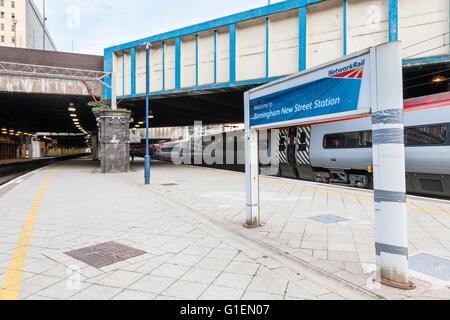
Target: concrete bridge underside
x=44, y=112
x=37, y=88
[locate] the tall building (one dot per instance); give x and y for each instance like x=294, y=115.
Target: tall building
x=21, y=26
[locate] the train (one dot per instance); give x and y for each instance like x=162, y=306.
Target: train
x=339, y=152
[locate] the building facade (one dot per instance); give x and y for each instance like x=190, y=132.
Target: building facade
x=266, y=43
x=21, y=26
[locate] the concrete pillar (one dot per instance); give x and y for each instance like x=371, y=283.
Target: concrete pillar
x=94, y=147
x=391, y=234
x=35, y=148
x=115, y=140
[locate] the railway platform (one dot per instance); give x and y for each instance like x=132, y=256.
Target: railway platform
x=12, y=168
x=183, y=237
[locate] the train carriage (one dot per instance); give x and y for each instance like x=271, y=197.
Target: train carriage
x=340, y=152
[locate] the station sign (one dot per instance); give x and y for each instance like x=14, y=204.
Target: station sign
x=368, y=82
x=341, y=89
x=135, y=136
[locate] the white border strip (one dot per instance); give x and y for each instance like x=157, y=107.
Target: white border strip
x=21, y=177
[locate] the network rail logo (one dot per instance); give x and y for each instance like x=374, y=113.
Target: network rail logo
x=352, y=71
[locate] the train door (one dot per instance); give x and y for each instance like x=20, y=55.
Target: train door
x=302, y=154
x=286, y=152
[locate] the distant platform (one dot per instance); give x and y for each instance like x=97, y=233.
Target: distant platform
x=12, y=168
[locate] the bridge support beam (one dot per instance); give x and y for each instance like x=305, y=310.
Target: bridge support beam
x=115, y=140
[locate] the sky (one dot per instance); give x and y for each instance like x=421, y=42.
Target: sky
x=89, y=26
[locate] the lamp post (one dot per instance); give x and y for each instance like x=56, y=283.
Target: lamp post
x=44, y=18
x=147, y=114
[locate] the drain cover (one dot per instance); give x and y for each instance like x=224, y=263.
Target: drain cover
x=328, y=219
x=431, y=265
x=169, y=184
x=105, y=254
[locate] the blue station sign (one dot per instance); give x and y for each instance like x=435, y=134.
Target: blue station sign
x=331, y=90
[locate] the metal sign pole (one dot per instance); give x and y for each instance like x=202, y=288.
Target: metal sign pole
x=389, y=166
x=44, y=18
x=147, y=114
x=251, y=169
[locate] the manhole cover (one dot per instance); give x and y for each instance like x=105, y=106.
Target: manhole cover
x=169, y=184
x=328, y=219
x=105, y=254
x=431, y=265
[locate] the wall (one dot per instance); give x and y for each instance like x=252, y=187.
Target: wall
x=140, y=71
x=424, y=27
x=8, y=33
x=325, y=32
x=34, y=29
x=283, y=43
x=188, y=61
x=156, y=68
x=251, y=50
x=368, y=24
x=223, y=55
x=206, y=58
x=169, y=65
x=52, y=58
x=8, y=147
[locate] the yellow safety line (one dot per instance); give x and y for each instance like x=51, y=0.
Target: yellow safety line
x=429, y=210
x=13, y=279
x=329, y=193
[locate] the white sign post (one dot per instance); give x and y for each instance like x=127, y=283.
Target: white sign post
x=367, y=82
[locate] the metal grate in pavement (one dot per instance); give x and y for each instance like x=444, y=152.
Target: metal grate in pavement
x=431, y=265
x=328, y=219
x=105, y=254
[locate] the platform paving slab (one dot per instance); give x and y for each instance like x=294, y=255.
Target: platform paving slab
x=287, y=205
x=196, y=245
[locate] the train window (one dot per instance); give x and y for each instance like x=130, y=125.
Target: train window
x=352, y=140
x=282, y=147
x=331, y=141
x=358, y=139
x=167, y=149
x=425, y=135
x=366, y=139
x=303, y=137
